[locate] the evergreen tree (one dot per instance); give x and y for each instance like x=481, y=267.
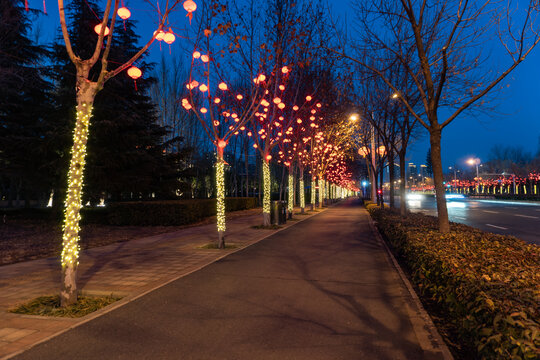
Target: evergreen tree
x=23, y=107
x=125, y=158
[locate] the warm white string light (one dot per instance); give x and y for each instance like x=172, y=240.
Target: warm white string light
x=220, y=182
x=302, y=195
x=72, y=207
x=266, y=184
x=290, y=205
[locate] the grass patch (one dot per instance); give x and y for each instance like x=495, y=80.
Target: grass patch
x=300, y=214
x=269, y=227
x=214, y=246
x=50, y=306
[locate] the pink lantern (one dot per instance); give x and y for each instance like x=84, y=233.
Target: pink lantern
x=134, y=73
x=169, y=38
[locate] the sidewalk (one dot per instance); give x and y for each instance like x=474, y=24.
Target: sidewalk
x=130, y=269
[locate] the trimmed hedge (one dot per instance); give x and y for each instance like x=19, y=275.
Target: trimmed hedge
x=174, y=212
x=488, y=284
x=88, y=215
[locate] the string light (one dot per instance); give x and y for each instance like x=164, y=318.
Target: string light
x=302, y=195
x=290, y=205
x=313, y=192
x=220, y=180
x=266, y=182
x=72, y=216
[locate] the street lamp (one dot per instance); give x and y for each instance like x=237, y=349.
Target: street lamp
x=476, y=162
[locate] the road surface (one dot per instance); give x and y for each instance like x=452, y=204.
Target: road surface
x=518, y=218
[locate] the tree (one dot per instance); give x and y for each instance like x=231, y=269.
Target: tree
x=89, y=83
x=24, y=105
x=449, y=70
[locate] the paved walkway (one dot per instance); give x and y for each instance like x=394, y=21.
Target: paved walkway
x=129, y=269
x=324, y=288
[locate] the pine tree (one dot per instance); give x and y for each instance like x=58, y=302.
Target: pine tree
x=23, y=106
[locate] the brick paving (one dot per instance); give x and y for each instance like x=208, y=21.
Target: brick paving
x=130, y=269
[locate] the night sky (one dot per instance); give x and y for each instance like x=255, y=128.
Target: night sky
x=515, y=122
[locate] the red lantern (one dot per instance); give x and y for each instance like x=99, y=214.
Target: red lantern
x=221, y=144
x=169, y=38
x=97, y=29
x=124, y=13
x=135, y=73
x=190, y=7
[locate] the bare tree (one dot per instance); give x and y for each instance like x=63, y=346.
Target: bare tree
x=449, y=70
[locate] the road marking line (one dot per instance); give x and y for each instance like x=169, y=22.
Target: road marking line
x=497, y=227
x=489, y=211
x=526, y=216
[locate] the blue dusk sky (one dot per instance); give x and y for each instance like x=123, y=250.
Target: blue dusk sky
x=515, y=121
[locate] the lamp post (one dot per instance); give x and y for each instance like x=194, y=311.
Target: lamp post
x=476, y=162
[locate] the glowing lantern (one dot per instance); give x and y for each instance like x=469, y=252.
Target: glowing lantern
x=97, y=29
x=363, y=151
x=281, y=106
x=217, y=100
x=268, y=157
x=299, y=121
x=319, y=105
x=221, y=144
x=203, y=88
x=204, y=111
x=295, y=108
x=124, y=13
x=222, y=86
x=277, y=100
x=239, y=97
x=281, y=87
x=160, y=34
x=205, y=58
x=190, y=7
x=169, y=38
x=196, y=55
x=285, y=70
x=134, y=73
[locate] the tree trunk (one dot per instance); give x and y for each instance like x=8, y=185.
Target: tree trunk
x=380, y=188
x=313, y=194
x=442, y=211
x=321, y=193
x=220, y=198
x=86, y=92
x=301, y=190
x=246, y=162
x=290, y=199
x=402, y=185
x=391, y=178
x=281, y=187
x=266, y=195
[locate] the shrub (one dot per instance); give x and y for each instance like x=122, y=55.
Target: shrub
x=489, y=285
x=174, y=212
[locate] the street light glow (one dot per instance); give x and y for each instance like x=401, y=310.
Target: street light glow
x=353, y=117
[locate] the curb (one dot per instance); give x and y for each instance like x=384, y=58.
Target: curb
x=128, y=299
x=426, y=332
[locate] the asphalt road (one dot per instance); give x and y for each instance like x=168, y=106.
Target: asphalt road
x=323, y=289
x=517, y=218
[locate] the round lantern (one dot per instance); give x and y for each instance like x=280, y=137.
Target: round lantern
x=124, y=13
x=134, y=72
x=285, y=70
x=97, y=29
x=205, y=58
x=196, y=55
x=363, y=151
x=190, y=6
x=308, y=98
x=169, y=38
x=221, y=144
x=222, y=86
x=160, y=35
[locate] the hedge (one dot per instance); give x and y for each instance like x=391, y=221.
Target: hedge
x=487, y=284
x=174, y=212
x=88, y=215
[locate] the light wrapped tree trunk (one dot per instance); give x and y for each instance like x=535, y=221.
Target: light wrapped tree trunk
x=290, y=198
x=266, y=193
x=321, y=193
x=73, y=203
x=220, y=198
x=313, y=193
